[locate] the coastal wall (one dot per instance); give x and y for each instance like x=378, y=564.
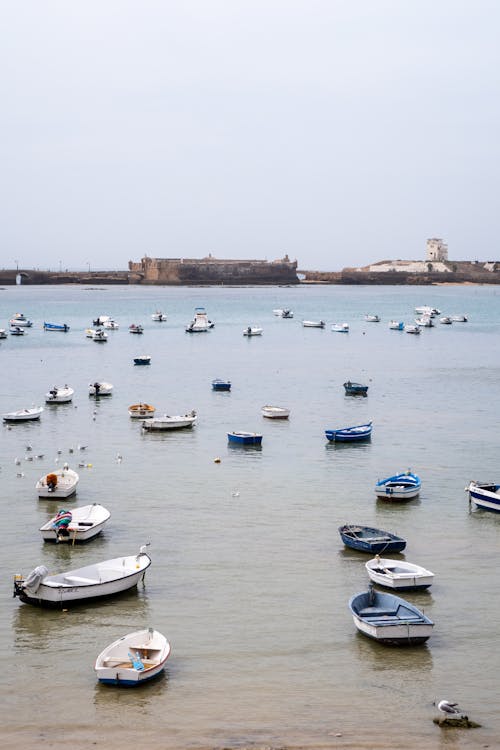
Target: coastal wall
x=191, y=271
x=29, y=276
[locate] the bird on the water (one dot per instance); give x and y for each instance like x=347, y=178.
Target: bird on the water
x=448, y=708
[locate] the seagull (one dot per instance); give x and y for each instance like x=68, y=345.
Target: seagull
x=70, y=450
x=17, y=461
x=59, y=451
x=29, y=448
x=19, y=474
x=235, y=493
x=28, y=458
x=448, y=708
x=119, y=457
x=40, y=455
x=81, y=447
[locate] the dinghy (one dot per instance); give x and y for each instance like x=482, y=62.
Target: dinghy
x=76, y=525
x=313, y=323
x=388, y=619
x=158, y=317
x=100, y=388
x=141, y=411
x=252, y=331
x=398, y=574
x=275, y=412
x=350, y=434
x=403, y=486
x=340, y=327
x=368, y=539
x=355, y=389
x=221, y=385
x=59, y=394
x=90, y=582
x=245, y=438
x=485, y=495
x=23, y=415
x=133, y=659
x=58, y=483
x=62, y=327
x=396, y=325
x=166, y=422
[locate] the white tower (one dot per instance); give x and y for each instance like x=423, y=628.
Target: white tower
x=437, y=249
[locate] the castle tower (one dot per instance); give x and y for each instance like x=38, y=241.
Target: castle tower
x=436, y=249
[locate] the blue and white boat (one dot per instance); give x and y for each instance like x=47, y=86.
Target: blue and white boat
x=369, y=539
x=388, y=619
x=350, y=434
x=245, y=438
x=396, y=325
x=221, y=385
x=56, y=327
x=485, y=495
x=133, y=659
x=143, y=359
x=340, y=327
x=355, y=389
x=403, y=486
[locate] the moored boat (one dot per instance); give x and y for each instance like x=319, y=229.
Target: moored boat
x=355, y=389
x=369, y=539
x=100, y=388
x=63, y=327
x=372, y=318
x=59, y=394
x=16, y=330
x=221, y=385
x=19, y=319
x=283, y=312
x=100, y=320
x=111, y=325
x=397, y=325
x=142, y=359
x=166, y=422
x=485, y=495
x=313, y=323
x=3, y=333
x=402, y=486
x=141, y=411
x=275, y=412
x=99, y=580
x=340, y=327
x=79, y=524
x=200, y=322
x=459, y=318
x=410, y=328
x=136, y=328
x=252, y=331
x=245, y=438
x=158, y=316
x=388, y=619
x=58, y=483
x=425, y=321
x=398, y=574
x=350, y=434
x=446, y=320
x=23, y=415
x=133, y=659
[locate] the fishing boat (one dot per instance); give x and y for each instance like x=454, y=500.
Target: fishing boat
x=221, y=385
x=485, y=495
x=136, y=328
x=59, y=394
x=76, y=525
x=245, y=438
x=99, y=580
x=133, y=659
x=459, y=318
x=23, y=415
x=313, y=323
x=63, y=327
x=402, y=486
x=410, y=328
x=166, y=422
x=396, y=325
x=398, y=574
x=427, y=310
x=340, y=327
x=355, y=389
x=388, y=619
x=3, y=333
x=275, y=412
x=110, y=325
x=372, y=318
x=16, y=331
x=425, y=321
x=283, y=313
x=252, y=331
x=100, y=320
x=19, y=319
x=141, y=411
x=158, y=317
x=96, y=334
x=143, y=359
x=100, y=388
x=200, y=322
x=58, y=483
x=368, y=539
x=350, y=434
x=446, y=320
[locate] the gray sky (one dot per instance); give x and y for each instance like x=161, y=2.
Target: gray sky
x=339, y=131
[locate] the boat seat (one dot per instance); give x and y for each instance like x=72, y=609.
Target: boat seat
x=375, y=539
x=377, y=612
x=78, y=580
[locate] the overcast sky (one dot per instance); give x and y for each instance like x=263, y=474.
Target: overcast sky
x=341, y=132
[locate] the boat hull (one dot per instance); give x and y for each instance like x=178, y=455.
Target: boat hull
x=56, y=327
x=115, y=665
x=86, y=524
x=27, y=415
x=395, y=635
x=388, y=619
x=350, y=434
x=244, y=439
x=487, y=499
x=367, y=539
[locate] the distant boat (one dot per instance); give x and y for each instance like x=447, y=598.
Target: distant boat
x=403, y=486
x=135, y=328
x=283, y=313
x=398, y=574
x=369, y=539
x=166, y=422
x=133, y=659
x=58, y=483
x=3, y=333
x=459, y=318
x=426, y=310
x=141, y=411
x=313, y=323
x=99, y=336
x=158, y=317
x=99, y=321
x=200, y=322
x=340, y=327
x=425, y=321
x=252, y=331
x=372, y=318
x=59, y=394
x=350, y=434
x=101, y=580
x=245, y=438
x=446, y=320
x=388, y=619
x=18, y=319
x=56, y=327
x=16, y=331
x=275, y=412
x=485, y=495
x=111, y=325
x=397, y=325
x=221, y=385
x=100, y=388
x=76, y=525
x=23, y=415
x=144, y=359
x=409, y=328
x=355, y=389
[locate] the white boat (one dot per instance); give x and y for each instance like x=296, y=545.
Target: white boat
x=313, y=323
x=158, y=316
x=409, y=328
x=340, y=327
x=141, y=411
x=59, y=394
x=167, y=422
x=23, y=415
x=252, y=331
x=446, y=320
x=100, y=388
x=398, y=574
x=16, y=330
x=283, y=313
x=18, y=319
x=372, y=318
x=426, y=310
x=77, y=525
x=133, y=659
x=200, y=322
x=136, y=328
x=275, y=412
x=99, y=335
x=389, y=619
x=425, y=321
x=459, y=318
x=396, y=325
x=58, y=483
x=100, y=320
x=485, y=495
x=110, y=325
x=402, y=486
x=102, y=579
x=3, y=333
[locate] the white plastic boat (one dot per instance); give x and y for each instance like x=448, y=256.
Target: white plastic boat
x=425, y=321
x=23, y=415
x=252, y=331
x=3, y=333
x=100, y=388
x=18, y=319
x=99, y=335
x=275, y=412
x=58, y=483
x=398, y=574
x=313, y=323
x=396, y=325
x=200, y=322
x=77, y=525
x=110, y=325
x=16, y=330
x=167, y=422
x=133, y=659
x=459, y=318
x=59, y=394
x=446, y=320
x=158, y=316
x=409, y=328
x=283, y=313
x=340, y=327
x=372, y=318
x=141, y=411
x=102, y=579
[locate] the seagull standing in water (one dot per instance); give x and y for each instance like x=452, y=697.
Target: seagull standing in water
x=449, y=709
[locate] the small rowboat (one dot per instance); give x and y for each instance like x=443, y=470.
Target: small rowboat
x=244, y=438
x=135, y=328
x=16, y=331
x=485, y=495
x=402, y=486
x=396, y=325
x=313, y=323
x=398, y=574
x=221, y=385
x=252, y=331
x=100, y=388
x=23, y=415
x=410, y=328
x=372, y=318
x=368, y=539
x=388, y=619
x=78, y=525
x=355, y=389
x=63, y=327
x=350, y=434
x=166, y=422
x=143, y=359
x=275, y=412
x=141, y=411
x=133, y=659
x=58, y=483
x=340, y=327
x=59, y=395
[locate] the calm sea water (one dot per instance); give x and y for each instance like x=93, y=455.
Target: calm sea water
x=250, y=581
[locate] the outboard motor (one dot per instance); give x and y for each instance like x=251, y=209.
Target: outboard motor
x=31, y=582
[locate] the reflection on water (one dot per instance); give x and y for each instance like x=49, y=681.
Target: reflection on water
x=145, y=696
